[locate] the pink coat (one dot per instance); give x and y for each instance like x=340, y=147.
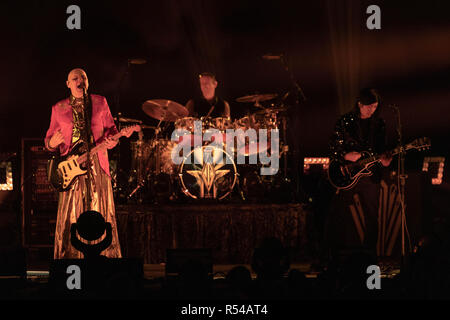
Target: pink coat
x=102, y=125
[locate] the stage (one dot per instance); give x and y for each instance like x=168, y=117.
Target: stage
x=231, y=231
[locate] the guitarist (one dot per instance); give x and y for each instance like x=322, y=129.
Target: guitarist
x=359, y=130
x=76, y=121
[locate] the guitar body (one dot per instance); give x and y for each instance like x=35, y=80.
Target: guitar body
x=53, y=176
x=344, y=176
x=62, y=171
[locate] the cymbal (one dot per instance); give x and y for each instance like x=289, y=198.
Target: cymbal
x=164, y=110
x=257, y=97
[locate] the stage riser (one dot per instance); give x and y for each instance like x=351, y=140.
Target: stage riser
x=231, y=231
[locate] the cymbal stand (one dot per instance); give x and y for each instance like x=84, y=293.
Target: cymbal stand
x=291, y=75
x=285, y=150
x=117, y=113
x=158, y=162
x=140, y=172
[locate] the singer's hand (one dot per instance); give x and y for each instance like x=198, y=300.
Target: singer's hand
x=56, y=140
x=110, y=143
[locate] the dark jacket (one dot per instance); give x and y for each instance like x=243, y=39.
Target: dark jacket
x=352, y=133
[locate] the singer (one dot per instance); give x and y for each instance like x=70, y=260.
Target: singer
x=76, y=121
x=358, y=133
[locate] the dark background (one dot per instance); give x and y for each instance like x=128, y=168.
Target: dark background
x=327, y=47
x=326, y=44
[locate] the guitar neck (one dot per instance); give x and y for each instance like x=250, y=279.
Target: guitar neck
x=377, y=157
x=97, y=148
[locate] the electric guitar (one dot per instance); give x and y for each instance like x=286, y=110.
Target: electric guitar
x=62, y=171
x=345, y=175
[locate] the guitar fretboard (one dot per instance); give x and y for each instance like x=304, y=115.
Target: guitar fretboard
x=377, y=157
x=81, y=159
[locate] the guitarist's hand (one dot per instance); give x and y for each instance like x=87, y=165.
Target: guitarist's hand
x=56, y=140
x=352, y=156
x=386, y=159
x=110, y=143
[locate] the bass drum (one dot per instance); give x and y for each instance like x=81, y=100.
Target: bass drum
x=208, y=172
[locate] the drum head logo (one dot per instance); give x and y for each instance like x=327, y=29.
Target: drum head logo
x=208, y=172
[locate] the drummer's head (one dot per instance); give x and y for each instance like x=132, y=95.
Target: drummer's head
x=208, y=84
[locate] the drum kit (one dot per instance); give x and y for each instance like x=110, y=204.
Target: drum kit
x=208, y=170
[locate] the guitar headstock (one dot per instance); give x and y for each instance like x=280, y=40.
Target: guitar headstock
x=420, y=144
x=128, y=131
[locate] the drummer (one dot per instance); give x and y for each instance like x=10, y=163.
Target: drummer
x=209, y=105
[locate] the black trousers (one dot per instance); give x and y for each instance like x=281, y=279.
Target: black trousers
x=340, y=230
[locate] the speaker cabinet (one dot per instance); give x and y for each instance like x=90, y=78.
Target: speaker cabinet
x=39, y=198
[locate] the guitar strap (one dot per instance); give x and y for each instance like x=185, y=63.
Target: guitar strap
x=87, y=132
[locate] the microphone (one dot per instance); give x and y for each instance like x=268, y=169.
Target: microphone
x=137, y=61
x=270, y=56
x=83, y=86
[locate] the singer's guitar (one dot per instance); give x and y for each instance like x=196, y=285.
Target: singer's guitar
x=62, y=171
x=345, y=175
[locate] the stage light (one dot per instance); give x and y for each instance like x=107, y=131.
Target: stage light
x=435, y=166
x=316, y=161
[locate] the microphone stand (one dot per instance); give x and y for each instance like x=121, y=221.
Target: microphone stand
x=87, y=130
x=401, y=181
x=118, y=113
x=286, y=147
